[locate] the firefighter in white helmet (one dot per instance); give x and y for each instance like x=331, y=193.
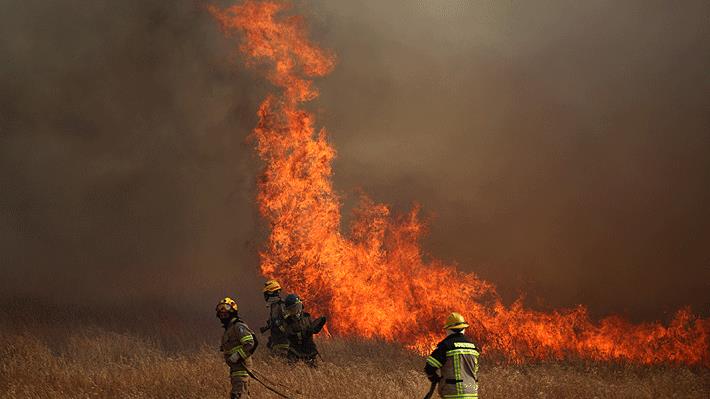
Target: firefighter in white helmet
x=238, y=344
x=454, y=362
x=278, y=341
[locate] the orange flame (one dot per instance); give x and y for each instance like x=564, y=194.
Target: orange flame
x=374, y=281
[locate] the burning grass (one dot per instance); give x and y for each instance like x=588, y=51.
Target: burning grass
x=93, y=362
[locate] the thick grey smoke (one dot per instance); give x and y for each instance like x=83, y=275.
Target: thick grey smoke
x=125, y=167
x=561, y=147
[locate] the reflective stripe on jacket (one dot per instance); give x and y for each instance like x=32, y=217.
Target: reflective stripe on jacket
x=457, y=360
x=238, y=338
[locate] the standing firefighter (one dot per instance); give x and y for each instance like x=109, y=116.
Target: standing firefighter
x=278, y=342
x=238, y=344
x=299, y=329
x=456, y=358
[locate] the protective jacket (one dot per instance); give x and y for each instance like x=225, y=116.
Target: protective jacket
x=278, y=341
x=239, y=339
x=457, y=359
x=300, y=330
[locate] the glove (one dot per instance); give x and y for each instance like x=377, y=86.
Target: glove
x=234, y=358
x=318, y=325
x=434, y=378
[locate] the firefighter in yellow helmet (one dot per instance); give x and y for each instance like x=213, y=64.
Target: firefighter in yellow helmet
x=278, y=342
x=238, y=344
x=454, y=362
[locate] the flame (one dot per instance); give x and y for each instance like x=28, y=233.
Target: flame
x=374, y=281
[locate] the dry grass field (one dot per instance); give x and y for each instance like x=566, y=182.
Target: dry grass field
x=61, y=361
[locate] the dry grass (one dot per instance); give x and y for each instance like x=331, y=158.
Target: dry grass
x=130, y=353
x=100, y=364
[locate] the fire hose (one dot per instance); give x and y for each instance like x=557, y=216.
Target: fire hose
x=431, y=390
x=252, y=374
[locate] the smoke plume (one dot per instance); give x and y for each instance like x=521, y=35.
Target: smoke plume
x=560, y=149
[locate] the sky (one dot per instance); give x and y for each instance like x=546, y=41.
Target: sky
x=560, y=150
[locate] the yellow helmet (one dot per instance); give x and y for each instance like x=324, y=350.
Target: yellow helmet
x=226, y=305
x=455, y=321
x=272, y=286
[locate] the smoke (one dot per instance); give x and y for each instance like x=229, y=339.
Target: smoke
x=562, y=149
x=125, y=170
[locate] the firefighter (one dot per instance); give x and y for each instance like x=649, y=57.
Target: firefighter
x=278, y=342
x=456, y=359
x=299, y=328
x=238, y=344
